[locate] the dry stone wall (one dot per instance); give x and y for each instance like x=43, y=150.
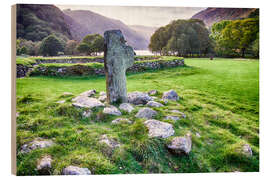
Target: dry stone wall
x=88, y=70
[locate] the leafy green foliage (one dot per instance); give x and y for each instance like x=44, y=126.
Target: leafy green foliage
x=91, y=43
x=50, y=46
x=234, y=38
x=181, y=38
x=35, y=22
x=71, y=47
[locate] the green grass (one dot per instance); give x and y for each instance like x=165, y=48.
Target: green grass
x=25, y=61
x=220, y=99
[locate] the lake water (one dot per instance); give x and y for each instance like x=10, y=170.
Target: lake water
x=143, y=53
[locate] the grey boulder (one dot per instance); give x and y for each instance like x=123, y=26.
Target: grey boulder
x=121, y=120
x=126, y=107
x=181, y=145
x=111, y=143
x=159, y=129
x=170, y=95
x=112, y=111
x=138, y=98
x=86, y=102
x=36, y=144
x=153, y=92
x=246, y=149
x=154, y=104
x=146, y=113
x=174, y=118
x=44, y=165
x=75, y=170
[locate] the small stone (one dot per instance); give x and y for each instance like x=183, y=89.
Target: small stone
x=126, y=107
x=174, y=118
x=38, y=143
x=159, y=129
x=102, y=93
x=86, y=102
x=181, y=145
x=109, y=142
x=112, y=111
x=87, y=113
x=44, y=165
x=153, y=92
x=138, y=98
x=179, y=112
x=170, y=95
x=67, y=94
x=88, y=93
x=102, y=98
x=74, y=170
x=154, y=104
x=121, y=120
x=61, y=101
x=165, y=101
x=147, y=113
x=247, y=150
x=198, y=135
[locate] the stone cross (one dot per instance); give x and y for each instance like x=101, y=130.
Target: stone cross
x=117, y=58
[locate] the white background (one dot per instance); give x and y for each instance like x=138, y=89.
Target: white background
x=5, y=85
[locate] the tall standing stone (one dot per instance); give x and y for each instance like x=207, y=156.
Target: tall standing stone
x=118, y=57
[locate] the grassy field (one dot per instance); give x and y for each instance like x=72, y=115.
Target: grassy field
x=220, y=99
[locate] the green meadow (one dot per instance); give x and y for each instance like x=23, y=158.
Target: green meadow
x=220, y=99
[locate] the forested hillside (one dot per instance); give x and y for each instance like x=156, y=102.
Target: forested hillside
x=35, y=22
x=212, y=15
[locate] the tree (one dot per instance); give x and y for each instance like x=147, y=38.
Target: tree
x=84, y=48
x=91, y=43
x=181, y=37
x=234, y=38
x=71, y=47
x=50, y=46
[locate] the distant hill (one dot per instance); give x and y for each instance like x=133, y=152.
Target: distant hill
x=145, y=31
x=213, y=15
x=34, y=22
x=95, y=23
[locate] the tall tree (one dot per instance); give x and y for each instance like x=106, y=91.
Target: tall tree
x=91, y=43
x=181, y=37
x=50, y=46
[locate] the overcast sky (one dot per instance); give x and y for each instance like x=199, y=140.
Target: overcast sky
x=147, y=16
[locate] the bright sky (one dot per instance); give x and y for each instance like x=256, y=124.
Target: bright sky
x=134, y=15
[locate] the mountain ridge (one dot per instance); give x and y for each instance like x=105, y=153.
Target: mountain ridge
x=212, y=15
x=96, y=23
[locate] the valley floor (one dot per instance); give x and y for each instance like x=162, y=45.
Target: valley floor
x=220, y=99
